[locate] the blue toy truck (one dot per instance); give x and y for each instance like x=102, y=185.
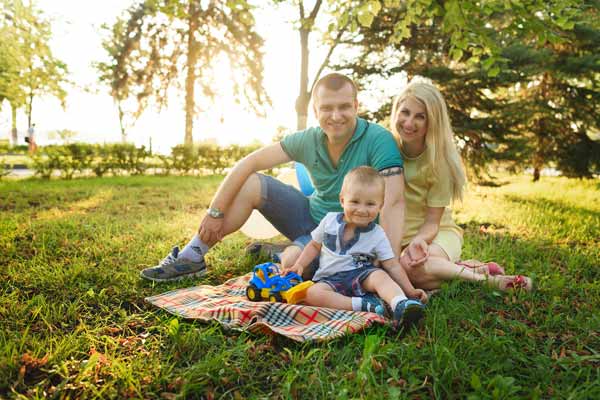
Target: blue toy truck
x=268, y=285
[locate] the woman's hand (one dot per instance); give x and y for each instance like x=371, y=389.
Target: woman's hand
x=415, y=253
x=211, y=230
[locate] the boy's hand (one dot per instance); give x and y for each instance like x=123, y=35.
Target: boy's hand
x=420, y=294
x=297, y=268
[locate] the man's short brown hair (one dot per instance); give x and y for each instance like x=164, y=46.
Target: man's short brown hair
x=334, y=81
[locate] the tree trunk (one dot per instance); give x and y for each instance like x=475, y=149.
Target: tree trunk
x=122, y=123
x=29, y=109
x=304, y=94
x=13, y=122
x=193, y=51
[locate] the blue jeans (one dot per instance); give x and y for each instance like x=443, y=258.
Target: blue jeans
x=287, y=209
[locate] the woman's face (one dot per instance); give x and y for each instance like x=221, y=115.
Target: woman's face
x=411, y=121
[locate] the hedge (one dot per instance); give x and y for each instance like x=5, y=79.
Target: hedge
x=81, y=159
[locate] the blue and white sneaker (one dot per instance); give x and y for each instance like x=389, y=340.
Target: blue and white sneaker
x=408, y=312
x=372, y=303
x=172, y=268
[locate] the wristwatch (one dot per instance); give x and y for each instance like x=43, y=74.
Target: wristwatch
x=215, y=213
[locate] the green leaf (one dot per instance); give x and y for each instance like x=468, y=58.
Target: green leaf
x=391, y=3
x=493, y=72
x=488, y=62
x=375, y=7
x=173, y=327
x=456, y=54
x=475, y=382
x=365, y=19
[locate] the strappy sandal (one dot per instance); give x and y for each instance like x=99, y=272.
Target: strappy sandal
x=519, y=282
x=492, y=267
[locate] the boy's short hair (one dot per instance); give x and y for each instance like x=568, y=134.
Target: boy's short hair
x=334, y=81
x=364, y=175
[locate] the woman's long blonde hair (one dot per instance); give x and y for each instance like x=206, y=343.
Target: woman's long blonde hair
x=439, y=138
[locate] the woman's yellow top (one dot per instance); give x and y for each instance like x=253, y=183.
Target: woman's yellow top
x=422, y=190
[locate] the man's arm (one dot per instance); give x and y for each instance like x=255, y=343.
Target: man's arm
x=392, y=216
x=211, y=229
x=392, y=213
x=261, y=159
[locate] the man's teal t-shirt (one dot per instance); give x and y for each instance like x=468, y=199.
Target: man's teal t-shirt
x=371, y=145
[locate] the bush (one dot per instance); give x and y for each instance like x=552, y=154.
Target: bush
x=19, y=149
x=5, y=168
x=185, y=158
x=78, y=158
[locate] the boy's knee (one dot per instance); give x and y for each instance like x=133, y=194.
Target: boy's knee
x=374, y=279
x=314, y=293
x=378, y=275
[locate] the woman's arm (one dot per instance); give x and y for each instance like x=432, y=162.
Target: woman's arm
x=417, y=249
x=429, y=230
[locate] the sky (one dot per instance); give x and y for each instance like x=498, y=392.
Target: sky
x=90, y=110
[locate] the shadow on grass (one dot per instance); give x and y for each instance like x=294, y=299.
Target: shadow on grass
x=492, y=183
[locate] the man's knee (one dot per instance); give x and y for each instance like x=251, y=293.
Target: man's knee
x=251, y=190
x=290, y=255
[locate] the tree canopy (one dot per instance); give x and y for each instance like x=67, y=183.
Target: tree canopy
x=531, y=99
x=160, y=44
x=28, y=68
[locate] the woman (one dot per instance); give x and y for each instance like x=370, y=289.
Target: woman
x=434, y=177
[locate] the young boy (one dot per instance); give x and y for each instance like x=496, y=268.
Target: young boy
x=348, y=244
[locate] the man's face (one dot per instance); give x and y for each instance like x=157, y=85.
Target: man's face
x=336, y=112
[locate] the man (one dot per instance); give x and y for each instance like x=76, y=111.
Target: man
x=341, y=142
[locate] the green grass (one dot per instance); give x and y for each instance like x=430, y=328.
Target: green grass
x=75, y=325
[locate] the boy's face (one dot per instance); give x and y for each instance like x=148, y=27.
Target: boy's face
x=361, y=203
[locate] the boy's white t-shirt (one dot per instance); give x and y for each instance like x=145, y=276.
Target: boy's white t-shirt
x=367, y=245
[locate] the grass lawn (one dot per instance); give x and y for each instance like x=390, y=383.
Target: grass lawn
x=75, y=324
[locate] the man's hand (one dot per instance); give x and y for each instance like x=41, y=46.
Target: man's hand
x=419, y=294
x=211, y=230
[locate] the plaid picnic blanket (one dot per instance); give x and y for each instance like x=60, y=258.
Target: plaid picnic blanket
x=227, y=304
